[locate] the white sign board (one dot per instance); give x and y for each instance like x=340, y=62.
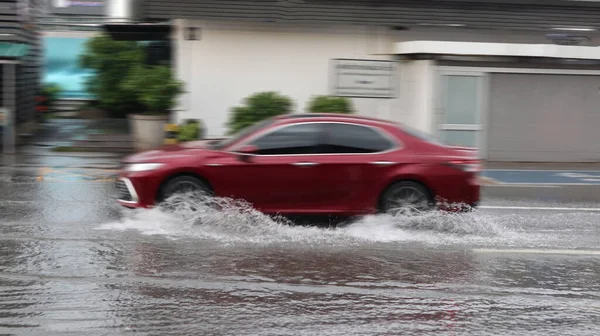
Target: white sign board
x=363, y=78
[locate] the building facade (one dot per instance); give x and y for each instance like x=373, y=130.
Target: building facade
x=66, y=27
x=518, y=80
x=20, y=64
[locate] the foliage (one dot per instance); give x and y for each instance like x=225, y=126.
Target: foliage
x=190, y=131
x=110, y=62
x=258, y=107
x=154, y=87
x=51, y=91
x=330, y=104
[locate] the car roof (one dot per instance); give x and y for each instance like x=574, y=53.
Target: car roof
x=333, y=117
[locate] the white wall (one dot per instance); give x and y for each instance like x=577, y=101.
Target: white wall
x=234, y=60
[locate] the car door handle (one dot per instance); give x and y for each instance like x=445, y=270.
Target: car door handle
x=304, y=164
x=383, y=163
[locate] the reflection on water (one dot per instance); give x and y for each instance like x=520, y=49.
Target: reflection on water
x=221, y=269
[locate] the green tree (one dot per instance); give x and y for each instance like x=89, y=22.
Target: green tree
x=154, y=87
x=258, y=107
x=330, y=104
x=111, y=62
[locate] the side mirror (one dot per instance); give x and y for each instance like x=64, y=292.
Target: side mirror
x=247, y=151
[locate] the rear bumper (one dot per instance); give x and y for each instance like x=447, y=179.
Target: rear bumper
x=462, y=197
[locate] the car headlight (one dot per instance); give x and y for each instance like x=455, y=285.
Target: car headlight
x=140, y=167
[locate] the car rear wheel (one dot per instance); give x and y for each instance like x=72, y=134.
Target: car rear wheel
x=182, y=185
x=406, y=198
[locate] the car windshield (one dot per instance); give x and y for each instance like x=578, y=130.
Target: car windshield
x=421, y=135
x=241, y=134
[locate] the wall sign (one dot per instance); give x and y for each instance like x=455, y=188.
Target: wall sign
x=363, y=78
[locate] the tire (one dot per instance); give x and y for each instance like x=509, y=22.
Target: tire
x=406, y=198
x=182, y=185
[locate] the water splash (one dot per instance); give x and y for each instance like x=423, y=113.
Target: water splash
x=231, y=221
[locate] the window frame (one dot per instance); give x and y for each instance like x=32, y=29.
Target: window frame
x=391, y=140
x=396, y=143
x=258, y=137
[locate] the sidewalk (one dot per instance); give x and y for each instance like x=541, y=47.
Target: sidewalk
x=543, y=165
x=60, y=132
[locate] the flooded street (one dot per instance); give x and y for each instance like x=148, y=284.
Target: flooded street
x=74, y=263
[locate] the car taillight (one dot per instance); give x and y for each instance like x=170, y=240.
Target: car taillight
x=471, y=166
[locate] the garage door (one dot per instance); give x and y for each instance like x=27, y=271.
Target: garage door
x=544, y=118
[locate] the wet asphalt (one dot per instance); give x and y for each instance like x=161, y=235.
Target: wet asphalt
x=72, y=262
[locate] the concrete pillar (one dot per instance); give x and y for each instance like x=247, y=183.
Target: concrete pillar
x=417, y=94
x=425, y=107
x=9, y=99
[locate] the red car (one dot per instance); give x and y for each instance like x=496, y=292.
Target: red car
x=301, y=164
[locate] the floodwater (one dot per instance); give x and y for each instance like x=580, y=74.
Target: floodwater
x=74, y=263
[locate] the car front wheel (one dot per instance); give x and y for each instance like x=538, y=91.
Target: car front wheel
x=406, y=198
x=182, y=185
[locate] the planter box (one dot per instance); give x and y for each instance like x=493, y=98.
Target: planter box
x=147, y=130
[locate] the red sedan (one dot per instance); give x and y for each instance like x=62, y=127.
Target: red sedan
x=300, y=164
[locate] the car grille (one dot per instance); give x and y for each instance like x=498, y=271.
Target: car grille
x=123, y=192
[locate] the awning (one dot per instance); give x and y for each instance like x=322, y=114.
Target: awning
x=13, y=50
x=138, y=31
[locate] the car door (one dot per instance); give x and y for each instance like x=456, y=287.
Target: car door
x=280, y=176
x=354, y=159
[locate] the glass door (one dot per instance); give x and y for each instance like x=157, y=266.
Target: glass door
x=460, y=112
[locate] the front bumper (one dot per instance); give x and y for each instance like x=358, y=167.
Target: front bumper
x=127, y=195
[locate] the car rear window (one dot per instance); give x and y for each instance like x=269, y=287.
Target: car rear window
x=421, y=135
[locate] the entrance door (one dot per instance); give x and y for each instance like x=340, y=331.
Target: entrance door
x=461, y=106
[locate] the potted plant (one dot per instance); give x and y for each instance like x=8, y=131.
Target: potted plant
x=258, y=107
x=330, y=104
x=190, y=130
x=157, y=90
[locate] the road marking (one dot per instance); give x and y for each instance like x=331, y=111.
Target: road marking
x=546, y=170
x=525, y=185
x=519, y=184
x=539, y=251
x=499, y=207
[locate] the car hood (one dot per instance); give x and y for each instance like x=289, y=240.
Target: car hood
x=167, y=152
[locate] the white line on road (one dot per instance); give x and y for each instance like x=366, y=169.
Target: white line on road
x=546, y=170
x=525, y=185
x=519, y=184
x=500, y=207
x=539, y=251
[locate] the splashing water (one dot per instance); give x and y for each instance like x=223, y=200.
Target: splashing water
x=230, y=221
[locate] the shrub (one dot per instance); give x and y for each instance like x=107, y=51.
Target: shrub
x=154, y=87
x=330, y=104
x=190, y=131
x=110, y=62
x=51, y=91
x=258, y=107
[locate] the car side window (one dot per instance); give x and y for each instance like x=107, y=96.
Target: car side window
x=289, y=140
x=353, y=139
